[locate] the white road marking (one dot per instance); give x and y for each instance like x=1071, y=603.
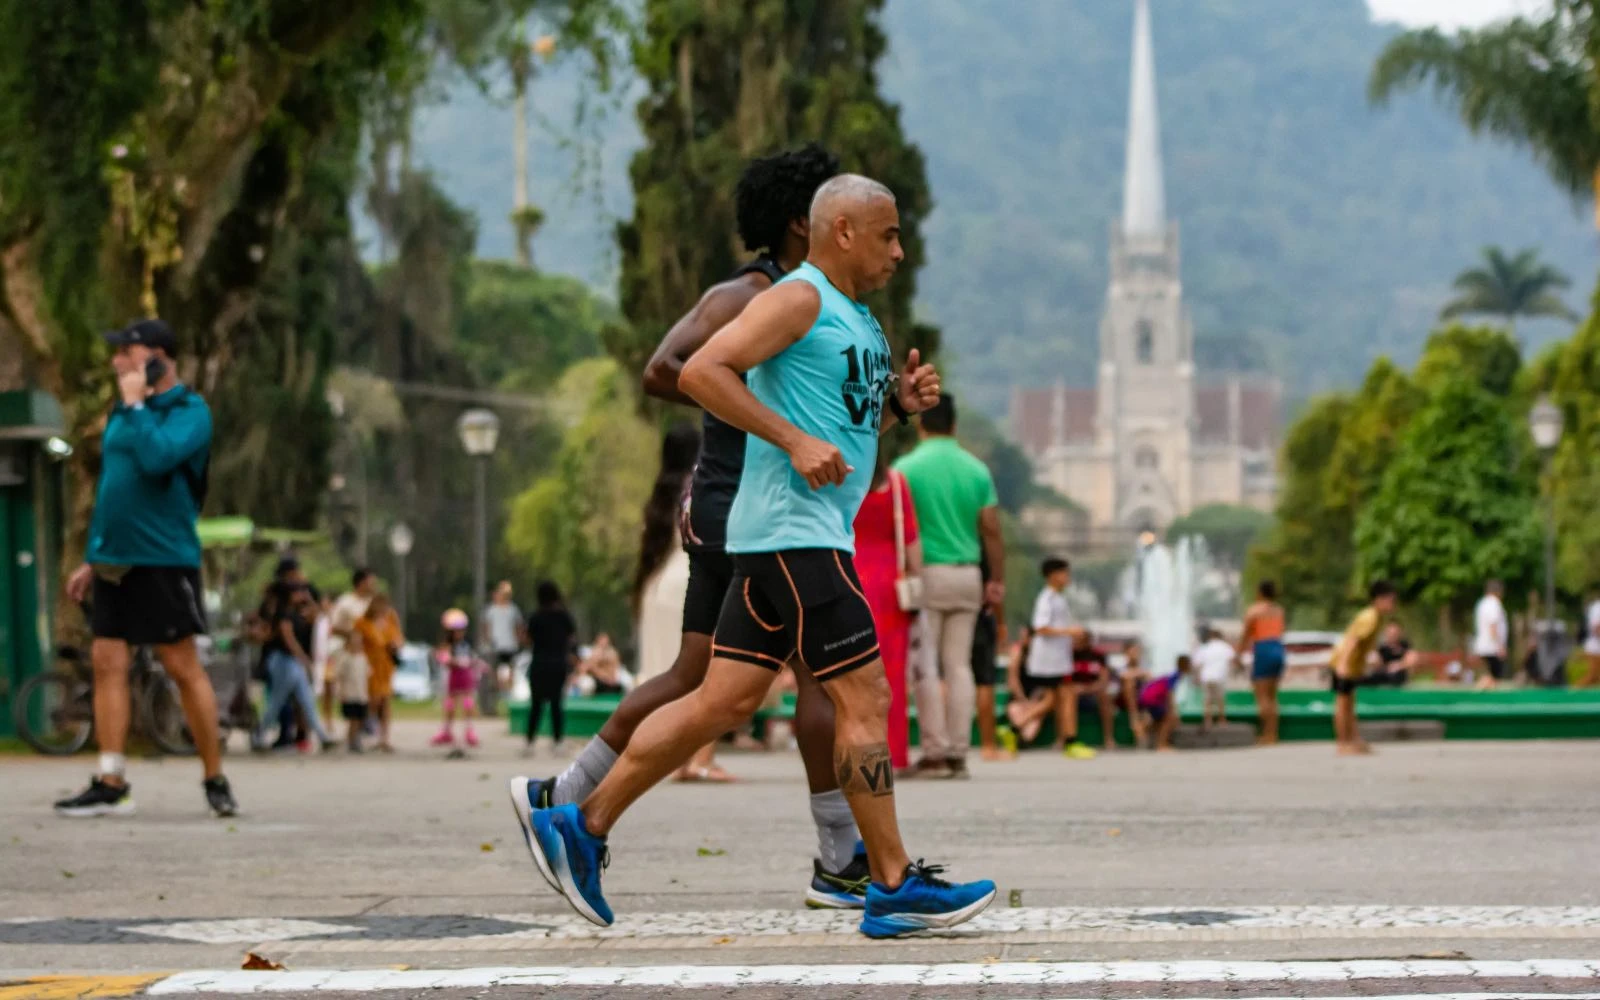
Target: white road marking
x=965, y=974
x=246, y=930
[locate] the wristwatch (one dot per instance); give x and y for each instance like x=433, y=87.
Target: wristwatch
x=898, y=410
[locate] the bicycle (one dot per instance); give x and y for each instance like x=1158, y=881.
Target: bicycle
x=54, y=711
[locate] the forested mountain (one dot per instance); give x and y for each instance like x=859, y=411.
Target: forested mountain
x=1317, y=232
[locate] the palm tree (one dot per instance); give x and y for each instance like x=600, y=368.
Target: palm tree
x=1533, y=82
x=1509, y=287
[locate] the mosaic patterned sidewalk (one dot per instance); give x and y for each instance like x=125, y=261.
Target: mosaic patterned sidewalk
x=798, y=928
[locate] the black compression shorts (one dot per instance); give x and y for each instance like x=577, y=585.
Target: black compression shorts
x=710, y=576
x=804, y=600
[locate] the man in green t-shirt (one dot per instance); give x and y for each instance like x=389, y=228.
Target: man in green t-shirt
x=958, y=519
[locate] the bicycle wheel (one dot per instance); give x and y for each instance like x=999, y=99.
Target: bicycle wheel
x=54, y=713
x=163, y=717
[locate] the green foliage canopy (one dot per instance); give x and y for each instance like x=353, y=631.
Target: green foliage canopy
x=1228, y=530
x=1509, y=287
x=579, y=524
x=1454, y=508
x=724, y=83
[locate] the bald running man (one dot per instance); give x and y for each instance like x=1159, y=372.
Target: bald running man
x=821, y=389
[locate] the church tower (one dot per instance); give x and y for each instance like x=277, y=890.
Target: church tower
x=1145, y=402
x=1152, y=439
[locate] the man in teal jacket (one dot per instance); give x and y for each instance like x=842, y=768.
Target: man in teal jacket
x=142, y=566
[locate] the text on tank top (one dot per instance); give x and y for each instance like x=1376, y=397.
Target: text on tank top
x=830, y=384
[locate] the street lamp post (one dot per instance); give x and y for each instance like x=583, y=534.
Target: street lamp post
x=1545, y=425
x=479, y=432
x=400, y=541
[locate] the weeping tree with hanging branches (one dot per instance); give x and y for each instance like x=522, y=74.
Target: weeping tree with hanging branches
x=729, y=81
x=1532, y=81
x=1509, y=287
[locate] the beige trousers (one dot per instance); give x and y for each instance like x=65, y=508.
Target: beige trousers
x=951, y=598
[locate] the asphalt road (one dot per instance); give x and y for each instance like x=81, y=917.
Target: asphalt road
x=414, y=860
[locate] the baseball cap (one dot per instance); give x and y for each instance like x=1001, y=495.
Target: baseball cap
x=149, y=332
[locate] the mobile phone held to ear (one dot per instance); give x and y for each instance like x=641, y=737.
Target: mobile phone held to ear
x=154, y=369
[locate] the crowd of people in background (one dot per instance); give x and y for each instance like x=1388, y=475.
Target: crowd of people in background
x=328, y=663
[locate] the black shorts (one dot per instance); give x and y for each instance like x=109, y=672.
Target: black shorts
x=1347, y=685
x=805, y=601
x=1032, y=685
x=355, y=711
x=984, y=639
x=149, y=606
x=1496, y=665
x=710, y=576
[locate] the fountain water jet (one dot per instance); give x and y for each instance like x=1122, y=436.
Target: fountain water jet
x=1168, y=576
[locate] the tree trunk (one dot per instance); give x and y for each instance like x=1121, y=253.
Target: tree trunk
x=519, y=182
x=1596, y=186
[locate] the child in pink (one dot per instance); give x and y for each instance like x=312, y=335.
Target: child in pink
x=461, y=667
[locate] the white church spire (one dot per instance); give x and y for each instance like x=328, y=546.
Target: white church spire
x=1144, y=206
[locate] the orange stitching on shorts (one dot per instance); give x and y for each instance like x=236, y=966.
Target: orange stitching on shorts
x=745, y=652
x=845, y=666
x=755, y=617
x=800, y=613
x=848, y=582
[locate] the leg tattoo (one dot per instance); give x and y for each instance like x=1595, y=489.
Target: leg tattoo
x=866, y=770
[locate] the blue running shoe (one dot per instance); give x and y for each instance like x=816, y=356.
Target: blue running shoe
x=528, y=794
x=842, y=890
x=572, y=858
x=923, y=902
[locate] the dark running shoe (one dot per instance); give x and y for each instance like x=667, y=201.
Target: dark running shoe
x=841, y=890
x=220, y=797
x=99, y=799
x=528, y=794
x=957, y=767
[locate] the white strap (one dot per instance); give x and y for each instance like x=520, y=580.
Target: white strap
x=899, y=524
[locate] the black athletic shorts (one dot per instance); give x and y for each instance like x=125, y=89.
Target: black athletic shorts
x=1496, y=665
x=710, y=576
x=149, y=606
x=804, y=600
x=1032, y=685
x=985, y=637
x=1347, y=685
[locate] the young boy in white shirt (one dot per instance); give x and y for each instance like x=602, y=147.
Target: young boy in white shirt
x=1050, y=653
x=1491, y=633
x=1213, y=661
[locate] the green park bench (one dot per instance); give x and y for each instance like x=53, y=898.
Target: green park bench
x=1536, y=713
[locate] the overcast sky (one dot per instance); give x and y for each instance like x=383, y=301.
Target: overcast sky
x=1448, y=13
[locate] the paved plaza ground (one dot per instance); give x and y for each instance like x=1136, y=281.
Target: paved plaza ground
x=1437, y=855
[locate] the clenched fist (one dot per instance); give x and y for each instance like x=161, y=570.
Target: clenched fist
x=819, y=462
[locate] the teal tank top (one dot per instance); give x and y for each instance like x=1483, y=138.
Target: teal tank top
x=830, y=384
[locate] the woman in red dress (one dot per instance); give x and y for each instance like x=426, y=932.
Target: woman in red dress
x=879, y=564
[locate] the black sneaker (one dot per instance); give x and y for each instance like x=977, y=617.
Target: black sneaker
x=958, y=768
x=99, y=799
x=220, y=797
x=845, y=890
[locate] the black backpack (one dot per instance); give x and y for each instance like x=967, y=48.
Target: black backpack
x=199, y=482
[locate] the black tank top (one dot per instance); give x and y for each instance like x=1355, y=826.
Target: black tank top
x=716, y=475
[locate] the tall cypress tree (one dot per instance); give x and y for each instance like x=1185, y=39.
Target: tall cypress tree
x=734, y=79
